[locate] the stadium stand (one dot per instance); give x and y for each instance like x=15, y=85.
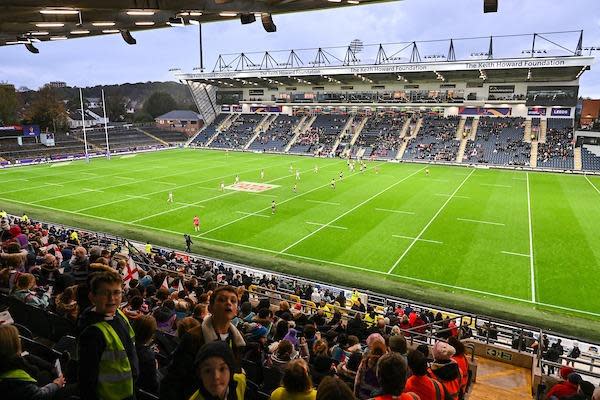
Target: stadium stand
x=239, y=133
x=436, y=140
x=590, y=157
x=277, y=135
x=322, y=134
x=119, y=137
x=557, y=151
x=173, y=289
x=380, y=136
x=204, y=136
x=168, y=135
x=499, y=141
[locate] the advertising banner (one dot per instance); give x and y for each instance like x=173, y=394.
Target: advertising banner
x=561, y=112
x=483, y=111
x=536, y=111
x=263, y=109
x=31, y=130
x=225, y=108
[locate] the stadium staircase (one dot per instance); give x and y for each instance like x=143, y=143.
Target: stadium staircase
x=145, y=132
x=413, y=134
x=461, y=150
x=527, y=134
x=577, y=159
x=262, y=126
x=417, y=128
x=402, y=149
x=497, y=380
x=358, y=130
x=405, y=128
x=543, y=130
x=91, y=146
x=194, y=136
x=461, y=128
x=534, y=154
x=224, y=126
x=300, y=129
x=345, y=130
x=474, y=125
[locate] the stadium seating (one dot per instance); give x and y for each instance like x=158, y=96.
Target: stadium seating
x=278, y=135
x=499, y=141
x=590, y=157
x=168, y=135
x=321, y=136
x=436, y=140
x=557, y=151
x=239, y=133
x=208, y=132
x=380, y=136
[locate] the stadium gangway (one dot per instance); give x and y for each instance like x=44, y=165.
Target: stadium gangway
x=557, y=366
x=375, y=299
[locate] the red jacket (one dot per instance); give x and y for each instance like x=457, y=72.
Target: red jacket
x=463, y=366
x=425, y=387
x=403, y=396
x=562, y=389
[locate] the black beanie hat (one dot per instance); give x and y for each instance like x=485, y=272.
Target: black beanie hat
x=216, y=349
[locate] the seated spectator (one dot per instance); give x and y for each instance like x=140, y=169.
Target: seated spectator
x=215, y=368
x=282, y=354
x=366, y=384
x=463, y=363
x=133, y=309
x=391, y=375
x=66, y=303
x=419, y=383
x=15, y=258
x=296, y=383
x=565, y=388
x=347, y=370
x=80, y=265
x=26, y=291
x=585, y=391
x=179, y=381
x=184, y=325
x=200, y=312
x=145, y=328
x=16, y=383
x=446, y=370
x=332, y=388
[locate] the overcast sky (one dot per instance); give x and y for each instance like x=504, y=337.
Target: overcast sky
x=108, y=60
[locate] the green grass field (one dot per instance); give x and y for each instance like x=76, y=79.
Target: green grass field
x=502, y=241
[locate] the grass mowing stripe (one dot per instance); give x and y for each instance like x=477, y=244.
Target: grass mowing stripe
x=531, y=263
x=430, y=222
x=204, y=200
x=352, y=209
x=266, y=208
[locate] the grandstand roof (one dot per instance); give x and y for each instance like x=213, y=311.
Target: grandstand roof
x=180, y=115
x=20, y=21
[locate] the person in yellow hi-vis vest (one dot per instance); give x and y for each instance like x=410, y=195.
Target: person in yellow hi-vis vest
x=25, y=218
x=108, y=364
x=148, y=248
x=15, y=381
x=3, y=214
x=215, y=366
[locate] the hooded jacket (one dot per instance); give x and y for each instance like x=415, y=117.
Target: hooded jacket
x=448, y=374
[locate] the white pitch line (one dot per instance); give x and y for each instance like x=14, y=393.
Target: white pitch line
x=456, y=197
x=422, y=240
x=253, y=214
x=352, y=209
x=92, y=190
x=480, y=222
x=189, y=204
x=53, y=184
x=126, y=178
x=166, y=183
x=327, y=226
x=519, y=179
x=323, y=202
x=515, y=254
x=495, y=185
x=438, y=180
x=395, y=211
x=531, y=264
x=590, y=182
x=429, y=223
x=137, y=197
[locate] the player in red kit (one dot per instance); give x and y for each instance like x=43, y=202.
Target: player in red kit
x=196, y=223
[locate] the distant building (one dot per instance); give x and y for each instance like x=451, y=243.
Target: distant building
x=93, y=117
x=590, y=112
x=57, y=84
x=93, y=102
x=180, y=120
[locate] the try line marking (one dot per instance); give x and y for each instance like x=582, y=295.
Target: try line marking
x=531, y=264
x=352, y=209
x=323, y=202
x=395, y=211
x=327, y=226
x=480, y=222
x=429, y=223
x=314, y=259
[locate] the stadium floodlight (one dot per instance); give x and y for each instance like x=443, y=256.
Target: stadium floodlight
x=50, y=24
x=228, y=14
x=268, y=24
x=32, y=48
x=247, y=18
x=141, y=12
x=106, y=23
x=126, y=35
x=80, y=32
x=58, y=38
x=110, y=31
x=39, y=33
x=353, y=2
x=146, y=23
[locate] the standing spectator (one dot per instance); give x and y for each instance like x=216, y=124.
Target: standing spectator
x=465, y=330
x=179, y=382
x=297, y=384
x=574, y=354
x=188, y=242
x=425, y=387
x=145, y=328
x=463, y=363
x=565, y=388
x=215, y=366
x=366, y=384
x=108, y=363
x=445, y=370
x=391, y=375
x=15, y=381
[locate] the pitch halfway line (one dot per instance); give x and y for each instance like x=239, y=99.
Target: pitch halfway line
x=480, y=222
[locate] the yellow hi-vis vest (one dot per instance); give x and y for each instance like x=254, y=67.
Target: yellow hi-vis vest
x=240, y=389
x=25, y=218
x=148, y=248
x=17, y=375
x=115, y=381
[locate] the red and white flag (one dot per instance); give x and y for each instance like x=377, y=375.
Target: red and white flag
x=130, y=271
